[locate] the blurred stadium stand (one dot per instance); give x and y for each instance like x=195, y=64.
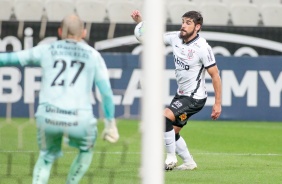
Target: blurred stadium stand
x=56, y=10
x=177, y=8
x=262, y=2
x=6, y=10
x=243, y=14
x=271, y=14
x=216, y=12
x=28, y=10
x=91, y=11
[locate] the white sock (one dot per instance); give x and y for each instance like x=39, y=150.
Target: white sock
x=170, y=141
x=182, y=150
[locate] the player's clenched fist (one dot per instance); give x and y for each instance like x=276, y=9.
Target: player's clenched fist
x=136, y=16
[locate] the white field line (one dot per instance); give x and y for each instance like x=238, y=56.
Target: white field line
x=138, y=153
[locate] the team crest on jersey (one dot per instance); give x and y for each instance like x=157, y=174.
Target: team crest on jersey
x=190, y=54
x=183, y=116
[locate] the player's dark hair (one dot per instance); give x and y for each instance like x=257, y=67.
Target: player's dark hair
x=195, y=16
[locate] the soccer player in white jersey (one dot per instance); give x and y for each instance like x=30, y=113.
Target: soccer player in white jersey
x=70, y=67
x=192, y=58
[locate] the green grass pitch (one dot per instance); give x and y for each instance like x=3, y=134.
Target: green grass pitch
x=225, y=151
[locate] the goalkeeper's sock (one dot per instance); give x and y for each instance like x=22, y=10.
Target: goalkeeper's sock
x=41, y=171
x=79, y=167
x=182, y=150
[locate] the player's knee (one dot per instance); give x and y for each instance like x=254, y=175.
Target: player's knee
x=177, y=129
x=169, y=114
x=50, y=156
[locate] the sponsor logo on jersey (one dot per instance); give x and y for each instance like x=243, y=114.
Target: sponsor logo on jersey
x=181, y=63
x=183, y=116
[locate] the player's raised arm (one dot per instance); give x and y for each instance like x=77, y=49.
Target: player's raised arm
x=102, y=81
x=136, y=16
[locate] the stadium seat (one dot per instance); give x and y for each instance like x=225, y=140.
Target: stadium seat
x=205, y=1
x=139, y=4
x=271, y=15
x=102, y=1
x=262, y=2
x=6, y=11
x=215, y=13
x=28, y=10
x=244, y=14
x=56, y=10
x=170, y=1
x=177, y=9
x=119, y=11
x=228, y=2
x=6, y=7
x=91, y=10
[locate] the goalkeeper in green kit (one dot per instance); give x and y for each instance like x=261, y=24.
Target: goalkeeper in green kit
x=70, y=67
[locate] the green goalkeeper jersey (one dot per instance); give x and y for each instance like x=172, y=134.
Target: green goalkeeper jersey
x=69, y=70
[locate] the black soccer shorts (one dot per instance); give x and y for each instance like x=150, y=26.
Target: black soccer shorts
x=183, y=107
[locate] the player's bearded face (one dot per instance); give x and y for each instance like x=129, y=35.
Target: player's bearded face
x=187, y=29
x=186, y=33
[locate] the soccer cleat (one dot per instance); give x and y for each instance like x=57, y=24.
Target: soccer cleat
x=170, y=166
x=170, y=162
x=187, y=166
x=110, y=133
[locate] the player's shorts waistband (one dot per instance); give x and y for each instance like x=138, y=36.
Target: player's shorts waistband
x=192, y=97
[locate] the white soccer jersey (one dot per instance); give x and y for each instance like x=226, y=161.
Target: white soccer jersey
x=191, y=60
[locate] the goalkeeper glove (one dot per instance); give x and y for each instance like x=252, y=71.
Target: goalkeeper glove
x=110, y=132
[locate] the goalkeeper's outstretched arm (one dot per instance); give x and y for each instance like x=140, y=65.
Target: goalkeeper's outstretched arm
x=9, y=59
x=107, y=98
x=24, y=57
x=102, y=81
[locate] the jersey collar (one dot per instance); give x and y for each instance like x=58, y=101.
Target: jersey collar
x=191, y=41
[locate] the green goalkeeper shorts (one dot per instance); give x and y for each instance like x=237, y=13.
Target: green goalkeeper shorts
x=77, y=127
